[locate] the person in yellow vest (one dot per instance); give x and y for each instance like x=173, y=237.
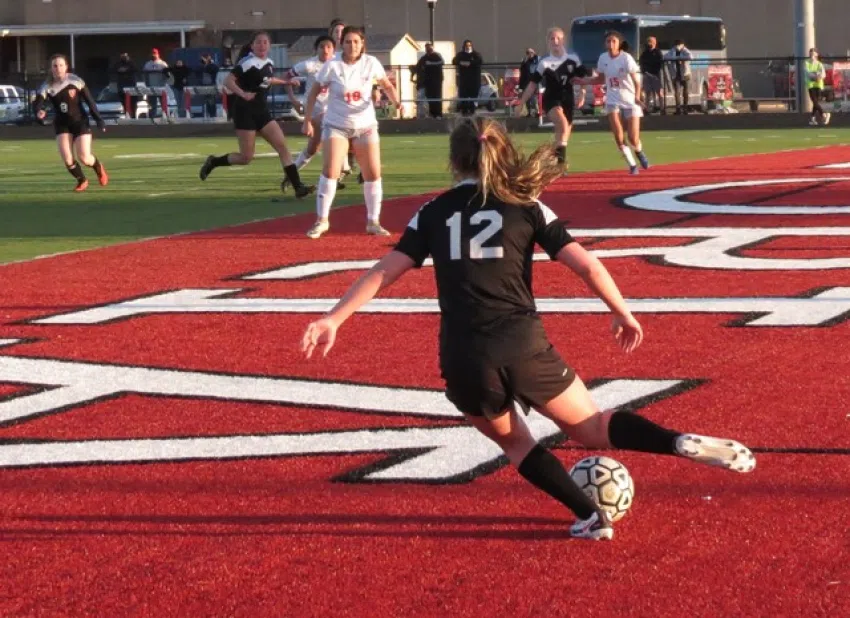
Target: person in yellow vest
x=815, y=75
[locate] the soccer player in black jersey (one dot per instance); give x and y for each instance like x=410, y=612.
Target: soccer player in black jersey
x=250, y=81
x=494, y=351
x=67, y=92
x=555, y=75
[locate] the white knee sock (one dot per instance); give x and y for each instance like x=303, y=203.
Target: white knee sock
x=374, y=194
x=627, y=153
x=325, y=196
x=303, y=159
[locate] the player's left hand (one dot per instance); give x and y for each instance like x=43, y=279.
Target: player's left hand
x=627, y=332
x=102, y=126
x=319, y=332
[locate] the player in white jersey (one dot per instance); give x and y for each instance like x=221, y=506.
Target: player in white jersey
x=619, y=72
x=335, y=32
x=555, y=74
x=308, y=69
x=349, y=117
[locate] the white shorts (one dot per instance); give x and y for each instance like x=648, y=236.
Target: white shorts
x=628, y=110
x=366, y=135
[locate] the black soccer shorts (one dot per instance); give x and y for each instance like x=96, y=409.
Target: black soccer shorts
x=480, y=390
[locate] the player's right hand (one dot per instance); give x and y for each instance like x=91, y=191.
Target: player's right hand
x=627, y=332
x=249, y=96
x=318, y=333
x=41, y=114
x=307, y=128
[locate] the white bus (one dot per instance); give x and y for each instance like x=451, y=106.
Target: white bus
x=711, y=78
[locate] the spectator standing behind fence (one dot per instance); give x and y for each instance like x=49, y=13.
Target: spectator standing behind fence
x=815, y=76
x=429, y=71
x=468, y=63
x=526, y=69
x=679, y=59
x=155, y=71
x=180, y=79
x=651, y=64
x=209, y=76
x=125, y=77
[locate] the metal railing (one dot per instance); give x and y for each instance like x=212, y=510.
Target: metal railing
x=735, y=84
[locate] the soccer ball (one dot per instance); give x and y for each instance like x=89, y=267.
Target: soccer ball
x=607, y=482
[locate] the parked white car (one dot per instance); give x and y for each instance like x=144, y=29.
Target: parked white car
x=13, y=104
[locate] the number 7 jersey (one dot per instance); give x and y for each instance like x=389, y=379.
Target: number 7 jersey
x=349, y=103
x=483, y=254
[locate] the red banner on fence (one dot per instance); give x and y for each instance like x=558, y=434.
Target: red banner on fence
x=720, y=82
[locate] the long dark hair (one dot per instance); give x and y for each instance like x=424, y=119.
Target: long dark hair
x=246, y=49
x=481, y=148
x=359, y=32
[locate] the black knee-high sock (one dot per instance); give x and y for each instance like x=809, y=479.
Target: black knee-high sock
x=221, y=161
x=561, y=152
x=292, y=175
x=633, y=432
x=96, y=165
x=76, y=171
x=543, y=470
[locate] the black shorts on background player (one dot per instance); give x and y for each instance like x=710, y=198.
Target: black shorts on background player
x=493, y=347
x=250, y=116
x=555, y=75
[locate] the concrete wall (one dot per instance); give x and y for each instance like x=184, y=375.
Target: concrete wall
x=501, y=29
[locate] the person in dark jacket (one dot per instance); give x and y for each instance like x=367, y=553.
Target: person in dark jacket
x=125, y=77
x=468, y=63
x=429, y=74
x=209, y=75
x=651, y=64
x=526, y=69
x=180, y=79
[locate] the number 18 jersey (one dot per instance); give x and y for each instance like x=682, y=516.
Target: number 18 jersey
x=483, y=255
x=349, y=103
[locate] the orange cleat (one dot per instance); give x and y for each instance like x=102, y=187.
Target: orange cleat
x=82, y=185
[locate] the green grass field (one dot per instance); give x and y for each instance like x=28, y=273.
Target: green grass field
x=154, y=187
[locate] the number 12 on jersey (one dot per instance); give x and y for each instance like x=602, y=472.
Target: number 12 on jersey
x=477, y=250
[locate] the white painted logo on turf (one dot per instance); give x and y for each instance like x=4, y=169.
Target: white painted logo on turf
x=776, y=311
x=670, y=200
x=452, y=452
x=715, y=250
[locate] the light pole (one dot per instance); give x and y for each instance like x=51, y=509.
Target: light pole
x=432, y=4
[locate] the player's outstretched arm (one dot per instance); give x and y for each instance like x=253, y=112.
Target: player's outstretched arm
x=626, y=329
x=381, y=275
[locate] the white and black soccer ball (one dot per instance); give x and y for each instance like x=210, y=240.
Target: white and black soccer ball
x=607, y=482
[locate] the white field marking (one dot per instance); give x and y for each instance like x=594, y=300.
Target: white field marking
x=9, y=148
x=772, y=136
x=665, y=137
x=668, y=200
x=752, y=139
x=159, y=155
x=190, y=190
x=773, y=311
x=8, y=342
x=834, y=166
x=135, y=182
x=451, y=450
x=721, y=137
x=826, y=135
x=106, y=146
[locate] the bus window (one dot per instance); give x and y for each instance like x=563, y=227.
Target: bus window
x=587, y=36
x=697, y=34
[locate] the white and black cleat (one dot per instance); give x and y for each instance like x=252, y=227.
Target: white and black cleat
x=717, y=452
x=597, y=527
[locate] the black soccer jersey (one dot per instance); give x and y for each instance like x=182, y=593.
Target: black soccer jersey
x=254, y=75
x=67, y=98
x=482, y=255
x=556, y=74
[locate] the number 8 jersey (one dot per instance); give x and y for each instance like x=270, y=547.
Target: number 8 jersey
x=349, y=104
x=482, y=255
